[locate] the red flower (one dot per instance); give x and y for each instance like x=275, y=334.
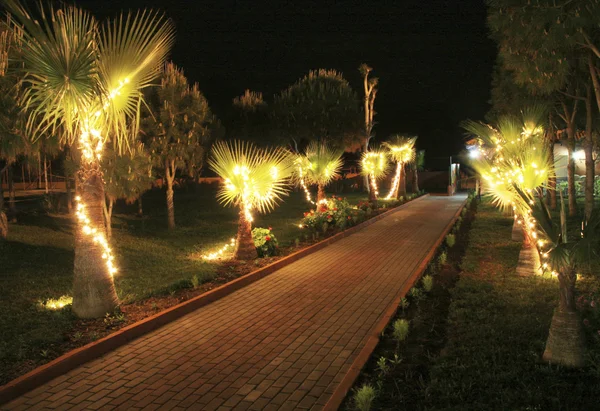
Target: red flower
x=335, y=209
x=349, y=217
x=339, y=198
x=267, y=238
x=270, y=228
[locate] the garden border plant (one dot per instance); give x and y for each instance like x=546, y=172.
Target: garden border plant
x=93, y=350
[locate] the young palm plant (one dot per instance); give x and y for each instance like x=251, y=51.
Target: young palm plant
x=566, y=340
x=319, y=165
x=402, y=151
x=83, y=81
x=254, y=179
x=374, y=165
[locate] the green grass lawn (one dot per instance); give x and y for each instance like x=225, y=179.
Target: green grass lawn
x=498, y=325
x=37, y=261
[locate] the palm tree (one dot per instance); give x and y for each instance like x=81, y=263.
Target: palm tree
x=515, y=158
x=566, y=340
x=374, y=165
x=254, y=178
x=402, y=151
x=83, y=81
x=319, y=165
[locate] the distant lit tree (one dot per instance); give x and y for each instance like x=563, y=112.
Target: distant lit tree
x=374, y=165
x=178, y=131
x=319, y=165
x=319, y=107
x=250, y=118
x=126, y=177
x=401, y=150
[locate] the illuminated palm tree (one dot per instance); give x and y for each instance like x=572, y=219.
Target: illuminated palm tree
x=402, y=151
x=319, y=165
x=83, y=81
x=374, y=165
x=513, y=159
x=566, y=340
x=253, y=179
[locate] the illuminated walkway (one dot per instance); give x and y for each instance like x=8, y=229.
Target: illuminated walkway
x=284, y=342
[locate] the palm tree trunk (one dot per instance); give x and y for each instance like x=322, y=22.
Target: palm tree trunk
x=45, y=175
x=94, y=292
x=321, y=193
x=589, y=159
x=11, y=195
x=244, y=245
x=571, y=171
x=170, y=176
x=402, y=186
x=107, y=211
x=140, y=211
x=3, y=219
x=39, y=176
x=68, y=187
x=552, y=180
x=396, y=182
x=372, y=193
x=415, y=183
x=566, y=342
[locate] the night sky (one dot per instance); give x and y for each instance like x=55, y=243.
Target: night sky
x=433, y=58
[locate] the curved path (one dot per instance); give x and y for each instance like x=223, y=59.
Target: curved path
x=284, y=342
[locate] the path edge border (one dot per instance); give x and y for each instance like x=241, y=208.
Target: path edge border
x=79, y=356
x=342, y=389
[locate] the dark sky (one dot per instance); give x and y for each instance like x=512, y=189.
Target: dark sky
x=433, y=58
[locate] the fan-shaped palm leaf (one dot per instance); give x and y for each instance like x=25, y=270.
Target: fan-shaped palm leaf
x=320, y=165
x=401, y=149
x=254, y=177
x=374, y=164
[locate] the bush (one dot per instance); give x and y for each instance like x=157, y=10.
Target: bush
x=401, y=327
x=427, y=283
x=450, y=240
x=363, y=397
x=336, y=214
x=265, y=242
x=443, y=258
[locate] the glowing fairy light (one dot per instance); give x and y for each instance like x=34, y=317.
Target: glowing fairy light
x=303, y=184
x=219, y=253
x=96, y=235
x=395, y=182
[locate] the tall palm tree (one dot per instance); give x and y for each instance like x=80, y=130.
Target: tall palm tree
x=374, y=165
x=402, y=151
x=83, y=80
x=566, y=341
x=319, y=165
x=254, y=179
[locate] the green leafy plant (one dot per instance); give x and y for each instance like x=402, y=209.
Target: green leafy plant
x=443, y=258
x=404, y=303
x=416, y=293
x=265, y=242
x=450, y=240
x=195, y=281
x=337, y=213
x=400, y=329
x=382, y=365
x=363, y=397
x=427, y=283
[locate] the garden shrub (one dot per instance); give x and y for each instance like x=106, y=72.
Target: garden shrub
x=443, y=258
x=336, y=214
x=400, y=327
x=450, y=240
x=363, y=397
x=427, y=283
x=265, y=242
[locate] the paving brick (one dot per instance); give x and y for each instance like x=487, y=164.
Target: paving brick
x=284, y=342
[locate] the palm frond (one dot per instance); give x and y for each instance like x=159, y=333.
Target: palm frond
x=401, y=149
x=375, y=164
x=132, y=50
x=59, y=57
x=320, y=164
x=253, y=176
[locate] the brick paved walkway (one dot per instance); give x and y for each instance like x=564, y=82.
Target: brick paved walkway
x=284, y=342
